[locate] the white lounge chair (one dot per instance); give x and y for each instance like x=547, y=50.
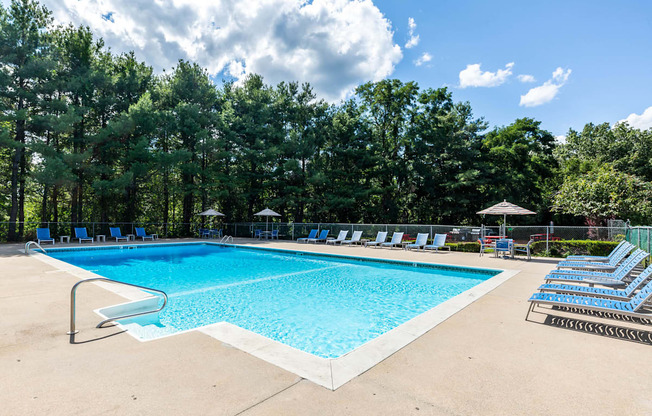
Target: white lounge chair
x=380, y=238
x=438, y=242
x=340, y=238
x=397, y=239
x=355, y=239
x=420, y=243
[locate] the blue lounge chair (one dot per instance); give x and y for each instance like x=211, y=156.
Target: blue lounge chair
x=439, y=242
x=397, y=239
x=354, y=239
x=82, y=235
x=340, y=237
x=43, y=235
x=609, y=265
x=622, y=294
x=604, y=278
x=623, y=245
x=420, y=243
x=380, y=239
x=635, y=307
x=140, y=232
x=323, y=236
x=117, y=234
x=313, y=234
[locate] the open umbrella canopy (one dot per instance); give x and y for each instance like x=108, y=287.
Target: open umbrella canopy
x=211, y=212
x=267, y=213
x=505, y=208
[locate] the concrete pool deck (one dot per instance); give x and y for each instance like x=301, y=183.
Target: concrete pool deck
x=485, y=359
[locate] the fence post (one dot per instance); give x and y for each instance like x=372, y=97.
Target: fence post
x=547, y=238
x=648, y=239
x=293, y=231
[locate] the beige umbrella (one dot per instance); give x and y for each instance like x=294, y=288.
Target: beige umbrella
x=267, y=213
x=211, y=213
x=505, y=208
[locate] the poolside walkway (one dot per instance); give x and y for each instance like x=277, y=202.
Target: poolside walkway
x=486, y=359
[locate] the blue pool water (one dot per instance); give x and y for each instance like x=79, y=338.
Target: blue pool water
x=323, y=305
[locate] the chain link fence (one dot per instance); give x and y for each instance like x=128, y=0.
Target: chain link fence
x=292, y=231
x=641, y=237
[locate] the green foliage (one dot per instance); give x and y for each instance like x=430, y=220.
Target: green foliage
x=471, y=247
x=605, y=193
x=567, y=248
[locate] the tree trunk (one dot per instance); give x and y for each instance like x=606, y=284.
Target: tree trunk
x=19, y=138
x=21, y=198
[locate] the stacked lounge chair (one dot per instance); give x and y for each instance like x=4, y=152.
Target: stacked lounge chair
x=420, y=243
x=614, y=259
x=439, y=242
x=397, y=240
x=323, y=237
x=579, y=293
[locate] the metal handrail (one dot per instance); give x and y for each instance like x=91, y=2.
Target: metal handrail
x=29, y=243
x=73, y=291
x=226, y=238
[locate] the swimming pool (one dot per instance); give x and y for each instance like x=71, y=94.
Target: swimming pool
x=323, y=305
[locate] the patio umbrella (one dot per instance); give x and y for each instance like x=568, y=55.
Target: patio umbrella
x=505, y=208
x=267, y=213
x=211, y=213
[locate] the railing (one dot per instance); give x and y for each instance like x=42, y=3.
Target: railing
x=30, y=243
x=73, y=294
x=226, y=238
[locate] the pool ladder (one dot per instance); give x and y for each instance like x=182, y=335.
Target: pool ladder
x=73, y=295
x=226, y=238
x=30, y=243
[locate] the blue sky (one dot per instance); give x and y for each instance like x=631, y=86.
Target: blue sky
x=606, y=45
x=598, y=51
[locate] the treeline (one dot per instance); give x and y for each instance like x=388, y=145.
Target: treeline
x=89, y=135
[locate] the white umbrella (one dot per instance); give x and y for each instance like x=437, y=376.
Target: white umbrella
x=267, y=213
x=505, y=208
x=211, y=212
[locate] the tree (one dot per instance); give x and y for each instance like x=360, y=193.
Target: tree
x=605, y=193
x=23, y=51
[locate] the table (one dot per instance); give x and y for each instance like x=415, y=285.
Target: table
x=131, y=237
x=265, y=234
x=100, y=237
x=492, y=238
x=66, y=237
x=154, y=236
x=539, y=237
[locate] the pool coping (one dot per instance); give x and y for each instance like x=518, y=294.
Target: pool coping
x=330, y=373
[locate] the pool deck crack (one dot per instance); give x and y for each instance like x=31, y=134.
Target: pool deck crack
x=269, y=397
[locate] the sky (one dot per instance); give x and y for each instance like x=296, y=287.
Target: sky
x=564, y=63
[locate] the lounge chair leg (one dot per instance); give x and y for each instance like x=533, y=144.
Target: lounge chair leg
x=529, y=309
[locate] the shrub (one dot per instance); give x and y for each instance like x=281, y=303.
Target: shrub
x=565, y=248
x=472, y=247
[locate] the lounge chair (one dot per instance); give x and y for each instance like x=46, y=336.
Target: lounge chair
x=340, y=237
x=313, y=234
x=354, y=239
x=140, y=232
x=635, y=307
x=609, y=265
x=614, y=278
x=117, y=234
x=82, y=235
x=397, y=239
x=438, y=242
x=420, y=242
x=622, y=294
x=323, y=236
x=380, y=239
x=43, y=235
x=623, y=245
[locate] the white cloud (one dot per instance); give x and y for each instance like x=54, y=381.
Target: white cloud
x=642, y=122
x=546, y=92
x=561, y=139
x=414, y=39
x=425, y=57
x=473, y=76
x=526, y=78
x=333, y=44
